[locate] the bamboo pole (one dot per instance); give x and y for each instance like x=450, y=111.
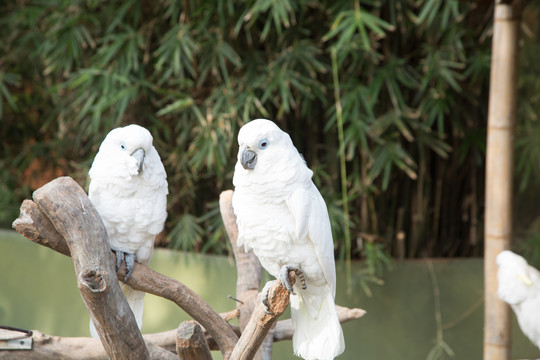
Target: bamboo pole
x=499, y=172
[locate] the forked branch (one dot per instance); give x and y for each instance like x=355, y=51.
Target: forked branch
x=62, y=211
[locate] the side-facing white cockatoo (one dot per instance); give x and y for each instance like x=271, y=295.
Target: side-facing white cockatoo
x=128, y=187
x=519, y=286
x=282, y=216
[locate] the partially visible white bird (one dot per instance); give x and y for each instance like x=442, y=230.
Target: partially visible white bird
x=519, y=286
x=129, y=189
x=282, y=216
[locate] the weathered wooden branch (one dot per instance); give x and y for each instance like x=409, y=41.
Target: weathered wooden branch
x=284, y=328
x=282, y=331
x=32, y=219
x=249, y=274
x=81, y=226
x=161, y=345
x=36, y=226
x=261, y=322
x=158, y=284
x=47, y=347
x=191, y=343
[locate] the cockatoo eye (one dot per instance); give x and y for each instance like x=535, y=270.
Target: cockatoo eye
x=123, y=146
x=263, y=144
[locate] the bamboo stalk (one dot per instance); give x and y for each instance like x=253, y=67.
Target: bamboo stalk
x=343, y=167
x=437, y=206
x=499, y=171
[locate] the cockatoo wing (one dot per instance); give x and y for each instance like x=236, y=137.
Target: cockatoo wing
x=312, y=221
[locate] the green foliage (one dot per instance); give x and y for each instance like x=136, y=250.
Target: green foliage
x=528, y=126
x=410, y=78
x=528, y=246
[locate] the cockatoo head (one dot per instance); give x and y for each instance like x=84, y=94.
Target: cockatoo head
x=267, y=156
x=261, y=141
x=513, y=278
x=123, y=152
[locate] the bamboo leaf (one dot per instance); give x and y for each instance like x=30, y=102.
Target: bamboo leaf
x=177, y=106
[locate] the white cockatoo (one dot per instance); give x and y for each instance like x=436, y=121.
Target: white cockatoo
x=129, y=189
x=519, y=286
x=282, y=216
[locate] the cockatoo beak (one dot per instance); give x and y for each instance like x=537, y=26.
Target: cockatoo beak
x=248, y=159
x=139, y=156
x=525, y=279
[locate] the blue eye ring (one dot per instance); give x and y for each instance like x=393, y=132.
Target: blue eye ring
x=123, y=146
x=263, y=144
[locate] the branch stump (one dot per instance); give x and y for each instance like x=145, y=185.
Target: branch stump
x=191, y=343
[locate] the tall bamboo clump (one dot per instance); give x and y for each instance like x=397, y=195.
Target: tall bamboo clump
x=412, y=80
x=499, y=172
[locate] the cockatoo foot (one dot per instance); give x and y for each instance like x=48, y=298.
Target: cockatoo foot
x=128, y=258
x=284, y=277
x=264, y=296
x=119, y=258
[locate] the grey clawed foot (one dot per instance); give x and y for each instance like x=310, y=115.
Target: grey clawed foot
x=119, y=258
x=284, y=277
x=128, y=258
x=130, y=263
x=264, y=296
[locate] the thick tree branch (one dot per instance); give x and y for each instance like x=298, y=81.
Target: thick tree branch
x=47, y=347
x=32, y=220
x=249, y=274
x=261, y=322
x=35, y=226
x=80, y=224
x=161, y=345
x=284, y=328
x=144, y=279
x=282, y=331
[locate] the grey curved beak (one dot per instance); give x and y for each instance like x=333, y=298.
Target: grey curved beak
x=248, y=159
x=139, y=156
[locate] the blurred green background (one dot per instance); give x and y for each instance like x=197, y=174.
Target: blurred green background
x=400, y=86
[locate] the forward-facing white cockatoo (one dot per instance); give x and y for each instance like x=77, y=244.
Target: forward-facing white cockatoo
x=519, y=286
x=128, y=187
x=282, y=216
